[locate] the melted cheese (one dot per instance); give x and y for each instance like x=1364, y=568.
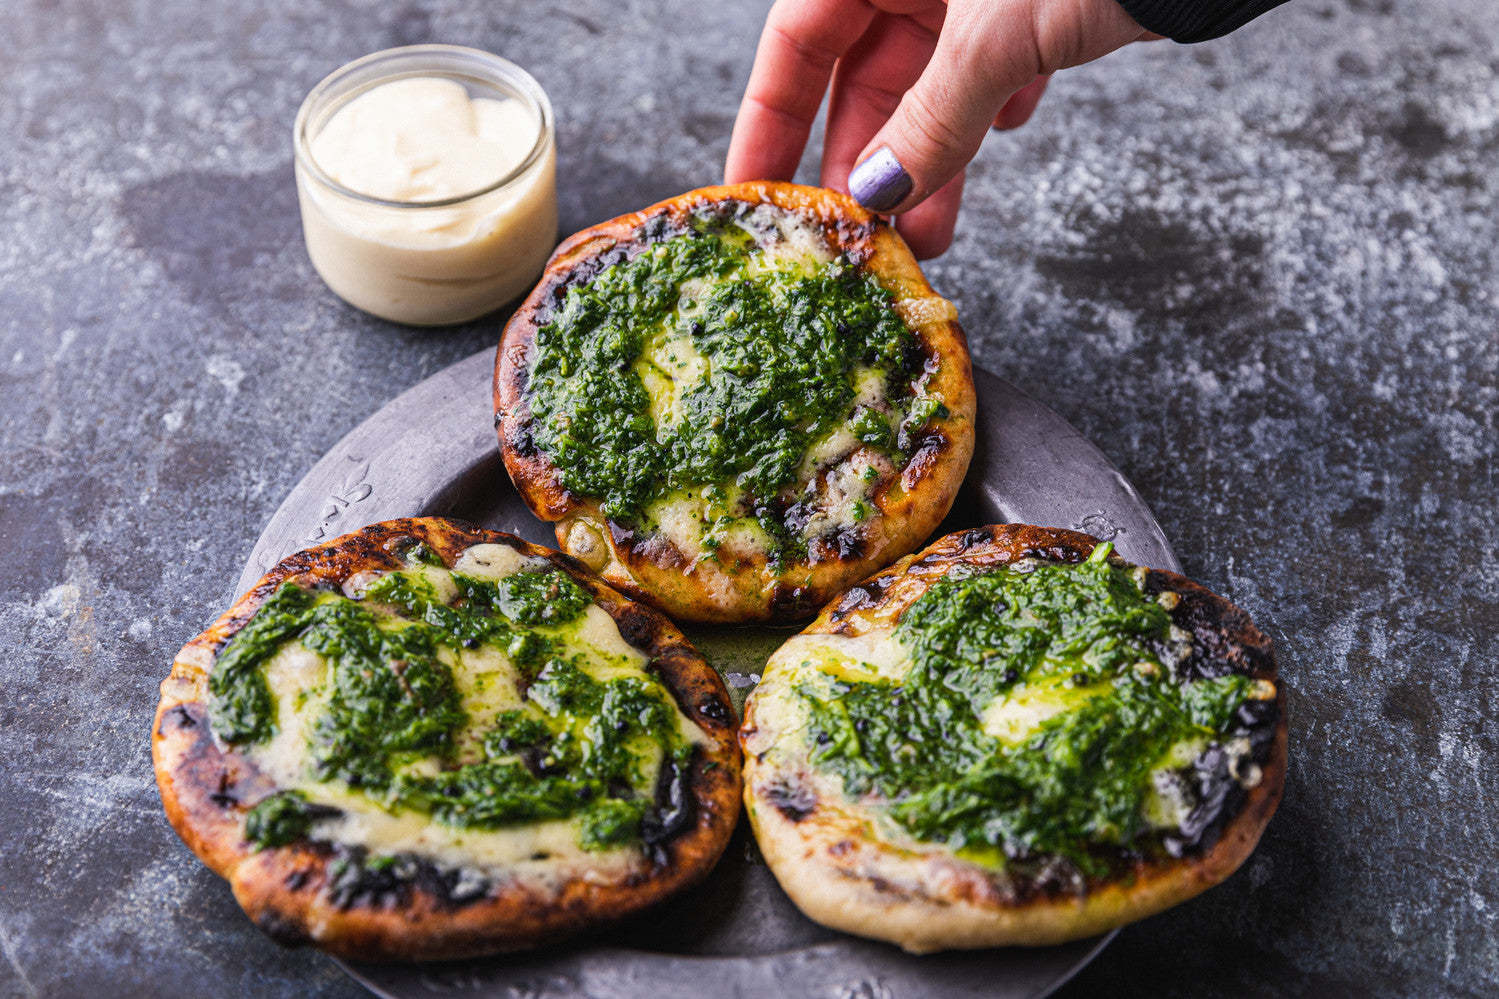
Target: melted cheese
x=788, y=241
x=612, y=655
x=495, y=562
x=670, y=366
x=541, y=850
x=827, y=450
x=487, y=682
x=873, y=655
x=297, y=678
x=681, y=518
x=930, y=309
x=1014, y=716
x=1170, y=800
x=845, y=496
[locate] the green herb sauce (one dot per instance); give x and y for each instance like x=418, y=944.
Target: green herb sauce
x=582, y=740
x=579, y=746
x=1077, y=785
x=282, y=818
x=239, y=700
x=781, y=344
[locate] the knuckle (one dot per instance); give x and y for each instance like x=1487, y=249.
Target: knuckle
x=1050, y=41
x=880, y=99
x=1068, y=34
x=932, y=128
x=789, y=117
x=806, y=50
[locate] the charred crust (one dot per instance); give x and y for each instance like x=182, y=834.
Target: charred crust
x=856, y=237
x=286, y=931
x=521, y=440
x=851, y=543
x=624, y=537
x=1003, y=544
x=683, y=670
x=209, y=787
x=1056, y=553
x=354, y=882
x=580, y=572
x=716, y=711
x=789, y=602
x=181, y=718
x=553, y=292
x=1053, y=877
x=864, y=596
x=225, y=797
x=365, y=548
x=793, y=799
x=930, y=447
x=673, y=813
x=639, y=626
x=975, y=537
x=857, y=599
x=1224, y=639
x=655, y=549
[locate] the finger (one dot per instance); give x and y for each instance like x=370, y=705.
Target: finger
x=928, y=227
x=793, y=63
x=1019, y=108
x=988, y=50
x=868, y=84
x=942, y=118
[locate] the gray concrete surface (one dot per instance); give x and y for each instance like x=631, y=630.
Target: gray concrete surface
x=1259, y=273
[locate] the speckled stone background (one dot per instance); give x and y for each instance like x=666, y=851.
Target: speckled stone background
x=1261, y=274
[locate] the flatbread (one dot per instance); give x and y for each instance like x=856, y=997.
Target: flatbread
x=385, y=853
x=875, y=821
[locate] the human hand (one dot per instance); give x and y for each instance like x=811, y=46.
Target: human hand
x=916, y=85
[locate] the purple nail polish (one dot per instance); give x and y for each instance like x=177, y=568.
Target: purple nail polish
x=880, y=182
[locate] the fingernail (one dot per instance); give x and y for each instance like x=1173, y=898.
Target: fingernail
x=880, y=182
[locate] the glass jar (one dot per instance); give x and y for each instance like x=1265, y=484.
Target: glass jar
x=437, y=262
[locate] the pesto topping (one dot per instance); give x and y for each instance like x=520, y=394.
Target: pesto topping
x=283, y=818
x=586, y=741
x=239, y=706
x=1080, y=638
x=758, y=353
x=588, y=737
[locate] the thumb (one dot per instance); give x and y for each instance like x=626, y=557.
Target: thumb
x=987, y=51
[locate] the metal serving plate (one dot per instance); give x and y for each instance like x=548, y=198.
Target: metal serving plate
x=432, y=452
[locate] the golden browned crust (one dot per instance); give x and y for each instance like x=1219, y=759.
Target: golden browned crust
x=827, y=858
x=911, y=501
x=207, y=789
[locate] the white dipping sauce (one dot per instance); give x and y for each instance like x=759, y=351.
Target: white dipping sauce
x=411, y=142
x=423, y=140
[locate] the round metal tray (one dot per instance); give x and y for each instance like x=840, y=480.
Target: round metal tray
x=432, y=451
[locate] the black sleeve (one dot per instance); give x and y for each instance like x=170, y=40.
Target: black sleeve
x=1195, y=20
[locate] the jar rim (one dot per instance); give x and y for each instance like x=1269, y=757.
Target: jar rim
x=454, y=62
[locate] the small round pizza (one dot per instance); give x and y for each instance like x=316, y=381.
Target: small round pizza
x=1012, y=737
x=424, y=741
x=738, y=402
